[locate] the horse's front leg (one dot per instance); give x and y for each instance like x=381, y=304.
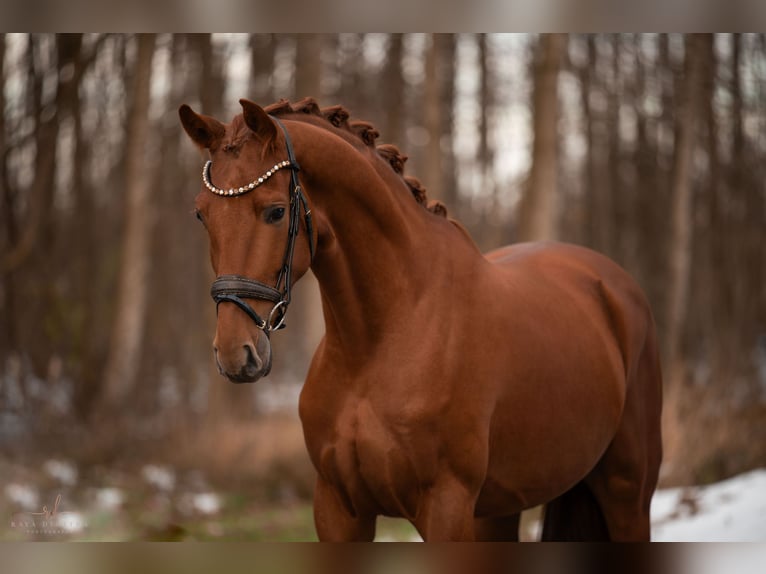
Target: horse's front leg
x=334, y=521
x=446, y=512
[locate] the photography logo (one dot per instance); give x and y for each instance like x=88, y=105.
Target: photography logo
x=49, y=522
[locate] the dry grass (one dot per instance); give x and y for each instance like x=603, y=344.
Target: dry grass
x=267, y=455
x=710, y=434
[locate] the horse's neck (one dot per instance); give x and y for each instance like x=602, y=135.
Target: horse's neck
x=374, y=250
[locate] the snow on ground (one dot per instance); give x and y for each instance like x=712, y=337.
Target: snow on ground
x=730, y=511
x=733, y=510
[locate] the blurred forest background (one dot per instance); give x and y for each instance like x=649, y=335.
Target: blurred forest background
x=649, y=148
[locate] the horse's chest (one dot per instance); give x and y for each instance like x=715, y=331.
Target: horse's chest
x=374, y=463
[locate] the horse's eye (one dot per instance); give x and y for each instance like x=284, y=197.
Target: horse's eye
x=275, y=215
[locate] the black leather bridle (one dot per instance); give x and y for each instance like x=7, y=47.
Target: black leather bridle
x=236, y=288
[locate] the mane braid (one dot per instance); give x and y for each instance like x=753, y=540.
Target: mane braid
x=307, y=106
x=393, y=156
x=279, y=108
x=366, y=131
x=417, y=189
x=338, y=117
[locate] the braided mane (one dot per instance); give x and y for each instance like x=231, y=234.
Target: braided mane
x=365, y=132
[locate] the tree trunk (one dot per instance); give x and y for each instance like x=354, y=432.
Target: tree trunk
x=180, y=315
x=393, y=93
x=29, y=210
x=353, y=82
x=432, y=174
x=41, y=190
x=485, y=153
x=648, y=196
x=595, y=225
x=262, y=51
x=8, y=237
x=714, y=263
x=490, y=230
x=612, y=196
x=210, y=87
x=438, y=95
x=447, y=53
x=308, y=66
x=680, y=248
x=80, y=231
x=538, y=214
x=745, y=253
x=128, y=327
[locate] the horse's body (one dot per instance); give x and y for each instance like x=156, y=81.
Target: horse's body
x=451, y=388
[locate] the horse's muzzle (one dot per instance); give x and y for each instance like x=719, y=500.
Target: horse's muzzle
x=248, y=363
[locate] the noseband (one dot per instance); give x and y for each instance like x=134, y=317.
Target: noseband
x=235, y=288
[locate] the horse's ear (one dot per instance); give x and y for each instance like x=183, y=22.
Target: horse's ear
x=203, y=130
x=258, y=120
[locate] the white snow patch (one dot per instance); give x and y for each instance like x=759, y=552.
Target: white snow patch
x=160, y=477
x=733, y=510
x=728, y=511
x=71, y=522
x=23, y=495
x=63, y=471
x=207, y=502
x=109, y=498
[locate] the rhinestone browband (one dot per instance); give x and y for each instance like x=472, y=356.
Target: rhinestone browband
x=245, y=188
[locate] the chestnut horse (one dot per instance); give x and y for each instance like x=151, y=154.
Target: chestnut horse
x=451, y=388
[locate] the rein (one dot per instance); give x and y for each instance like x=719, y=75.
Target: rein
x=236, y=288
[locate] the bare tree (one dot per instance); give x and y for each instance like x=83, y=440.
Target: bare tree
x=438, y=96
x=28, y=208
x=41, y=188
x=131, y=300
x=393, y=94
x=210, y=82
x=431, y=116
x=596, y=225
x=8, y=237
x=80, y=230
x=537, y=216
x=262, y=52
x=681, y=211
x=308, y=66
x=352, y=91
x=612, y=194
x=485, y=154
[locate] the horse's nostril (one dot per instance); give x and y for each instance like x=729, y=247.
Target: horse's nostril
x=253, y=360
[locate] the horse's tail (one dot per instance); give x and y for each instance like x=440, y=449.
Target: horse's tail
x=575, y=516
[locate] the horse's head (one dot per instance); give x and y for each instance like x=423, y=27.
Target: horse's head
x=254, y=210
